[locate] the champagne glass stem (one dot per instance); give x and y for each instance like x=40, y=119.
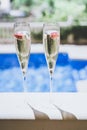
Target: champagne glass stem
x=24, y=84
x=51, y=79
x=51, y=83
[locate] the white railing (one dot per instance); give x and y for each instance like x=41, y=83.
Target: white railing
x=6, y=30
x=6, y=33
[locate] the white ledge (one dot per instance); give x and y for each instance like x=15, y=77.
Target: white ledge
x=74, y=51
x=22, y=105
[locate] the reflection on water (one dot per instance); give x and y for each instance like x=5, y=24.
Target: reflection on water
x=67, y=73
x=38, y=79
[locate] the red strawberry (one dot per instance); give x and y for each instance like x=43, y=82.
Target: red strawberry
x=54, y=35
x=18, y=35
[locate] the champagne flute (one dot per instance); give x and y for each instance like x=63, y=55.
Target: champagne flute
x=23, y=45
x=51, y=41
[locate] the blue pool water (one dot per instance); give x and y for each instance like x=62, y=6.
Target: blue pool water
x=67, y=73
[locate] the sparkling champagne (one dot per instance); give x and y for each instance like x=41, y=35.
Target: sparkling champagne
x=51, y=45
x=22, y=40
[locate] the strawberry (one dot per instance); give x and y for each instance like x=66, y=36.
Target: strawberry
x=18, y=35
x=54, y=35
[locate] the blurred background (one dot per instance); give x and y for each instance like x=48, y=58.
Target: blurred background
x=71, y=15
x=71, y=70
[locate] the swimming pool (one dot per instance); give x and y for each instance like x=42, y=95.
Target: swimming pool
x=67, y=73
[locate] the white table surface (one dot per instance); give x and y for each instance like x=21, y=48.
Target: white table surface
x=43, y=105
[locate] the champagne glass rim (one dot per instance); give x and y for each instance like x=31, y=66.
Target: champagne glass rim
x=51, y=23
x=21, y=23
